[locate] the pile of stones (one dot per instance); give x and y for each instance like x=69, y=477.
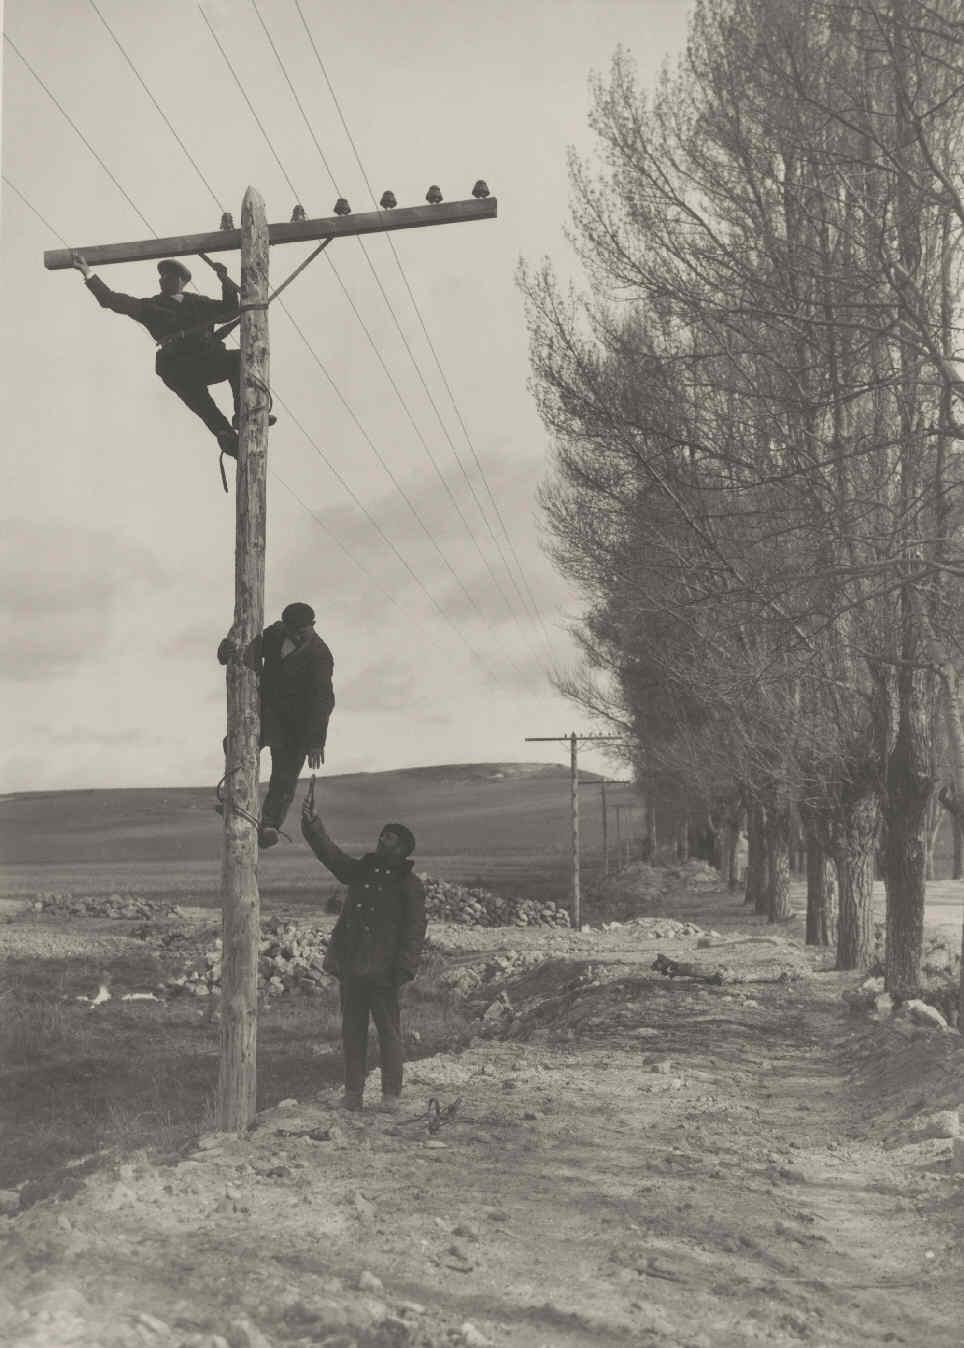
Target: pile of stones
x=446, y=901
x=289, y=960
x=102, y=905
x=465, y=979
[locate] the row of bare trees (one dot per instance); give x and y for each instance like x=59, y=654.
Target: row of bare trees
x=757, y=473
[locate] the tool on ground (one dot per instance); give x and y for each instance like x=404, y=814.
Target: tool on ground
x=435, y=1115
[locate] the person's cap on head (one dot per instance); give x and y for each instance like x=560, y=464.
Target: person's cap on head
x=172, y=264
x=298, y=615
x=406, y=836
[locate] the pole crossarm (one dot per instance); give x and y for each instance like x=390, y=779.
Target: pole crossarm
x=564, y=739
x=298, y=231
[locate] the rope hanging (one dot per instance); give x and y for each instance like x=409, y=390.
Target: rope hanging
x=239, y=809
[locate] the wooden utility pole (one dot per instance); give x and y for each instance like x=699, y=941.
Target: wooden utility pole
x=573, y=740
x=239, y=884
x=241, y=908
x=602, y=783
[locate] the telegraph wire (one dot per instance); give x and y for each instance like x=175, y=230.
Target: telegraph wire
x=167, y=121
x=364, y=570
x=151, y=229
x=56, y=102
x=244, y=95
x=30, y=207
x=398, y=326
x=471, y=599
x=498, y=513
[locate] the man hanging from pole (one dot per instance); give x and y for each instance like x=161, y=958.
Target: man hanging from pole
x=191, y=356
x=297, y=699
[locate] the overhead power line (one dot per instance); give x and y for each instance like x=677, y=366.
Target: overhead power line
x=151, y=229
x=30, y=207
x=70, y=121
x=431, y=345
x=401, y=332
x=162, y=113
x=445, y=560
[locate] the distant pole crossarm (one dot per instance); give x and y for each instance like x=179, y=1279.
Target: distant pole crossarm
x=291, y=231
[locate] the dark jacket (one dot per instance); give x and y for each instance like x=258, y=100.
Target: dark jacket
x=381, y=928
x=297, y=696
x=165, y=317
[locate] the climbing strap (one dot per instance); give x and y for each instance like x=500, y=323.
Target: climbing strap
x=239, y=809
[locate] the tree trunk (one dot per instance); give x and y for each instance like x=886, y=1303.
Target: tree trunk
x=778, y=864
x=909, y=785
x=756, y=865
x=683, y=839
x=855, y=840
x=822, y=906
x=732, y=872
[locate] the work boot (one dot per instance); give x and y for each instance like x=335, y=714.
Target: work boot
x=351, y=1100
x=390, y=1104
x=267, y=836
x=228, y=443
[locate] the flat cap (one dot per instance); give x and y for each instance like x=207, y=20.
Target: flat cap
x=172, y=264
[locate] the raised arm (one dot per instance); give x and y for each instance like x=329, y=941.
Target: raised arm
x=342, y=866
x=230, y=301
x=102, y=293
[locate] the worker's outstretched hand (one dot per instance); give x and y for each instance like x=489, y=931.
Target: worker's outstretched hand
x=79, y=263
x=315, y=758
x=227, y=651
x=308, y=815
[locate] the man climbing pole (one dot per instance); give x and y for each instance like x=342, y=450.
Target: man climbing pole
x=297, y=699
x=191, y=356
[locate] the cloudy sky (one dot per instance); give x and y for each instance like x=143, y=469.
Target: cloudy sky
x=391, y=473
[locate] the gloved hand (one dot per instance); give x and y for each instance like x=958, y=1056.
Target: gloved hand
x=227, y=651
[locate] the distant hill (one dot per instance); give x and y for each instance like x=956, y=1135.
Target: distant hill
x=453, y=808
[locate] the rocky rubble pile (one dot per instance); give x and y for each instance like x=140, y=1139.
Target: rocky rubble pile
x=643, y=882
x=289, y=960
x=465, y=979
x=446, y=901
x=102, y=905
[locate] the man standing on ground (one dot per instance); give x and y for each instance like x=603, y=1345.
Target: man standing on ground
x=297, y=699
x=190, y=356
x=375, y=947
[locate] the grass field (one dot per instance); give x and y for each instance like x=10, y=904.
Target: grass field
x=504, y=826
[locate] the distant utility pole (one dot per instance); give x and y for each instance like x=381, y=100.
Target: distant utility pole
x=573, y=740
x=602, y=784
x=240, y=901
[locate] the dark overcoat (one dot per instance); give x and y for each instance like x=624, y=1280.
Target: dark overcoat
x=297, y=694
x=381, y=928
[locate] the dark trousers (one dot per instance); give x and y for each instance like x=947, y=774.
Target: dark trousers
x=287, y=760
x=361, y=998
x=189, y=377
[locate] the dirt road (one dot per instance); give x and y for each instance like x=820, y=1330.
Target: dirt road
x=632, y=1160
